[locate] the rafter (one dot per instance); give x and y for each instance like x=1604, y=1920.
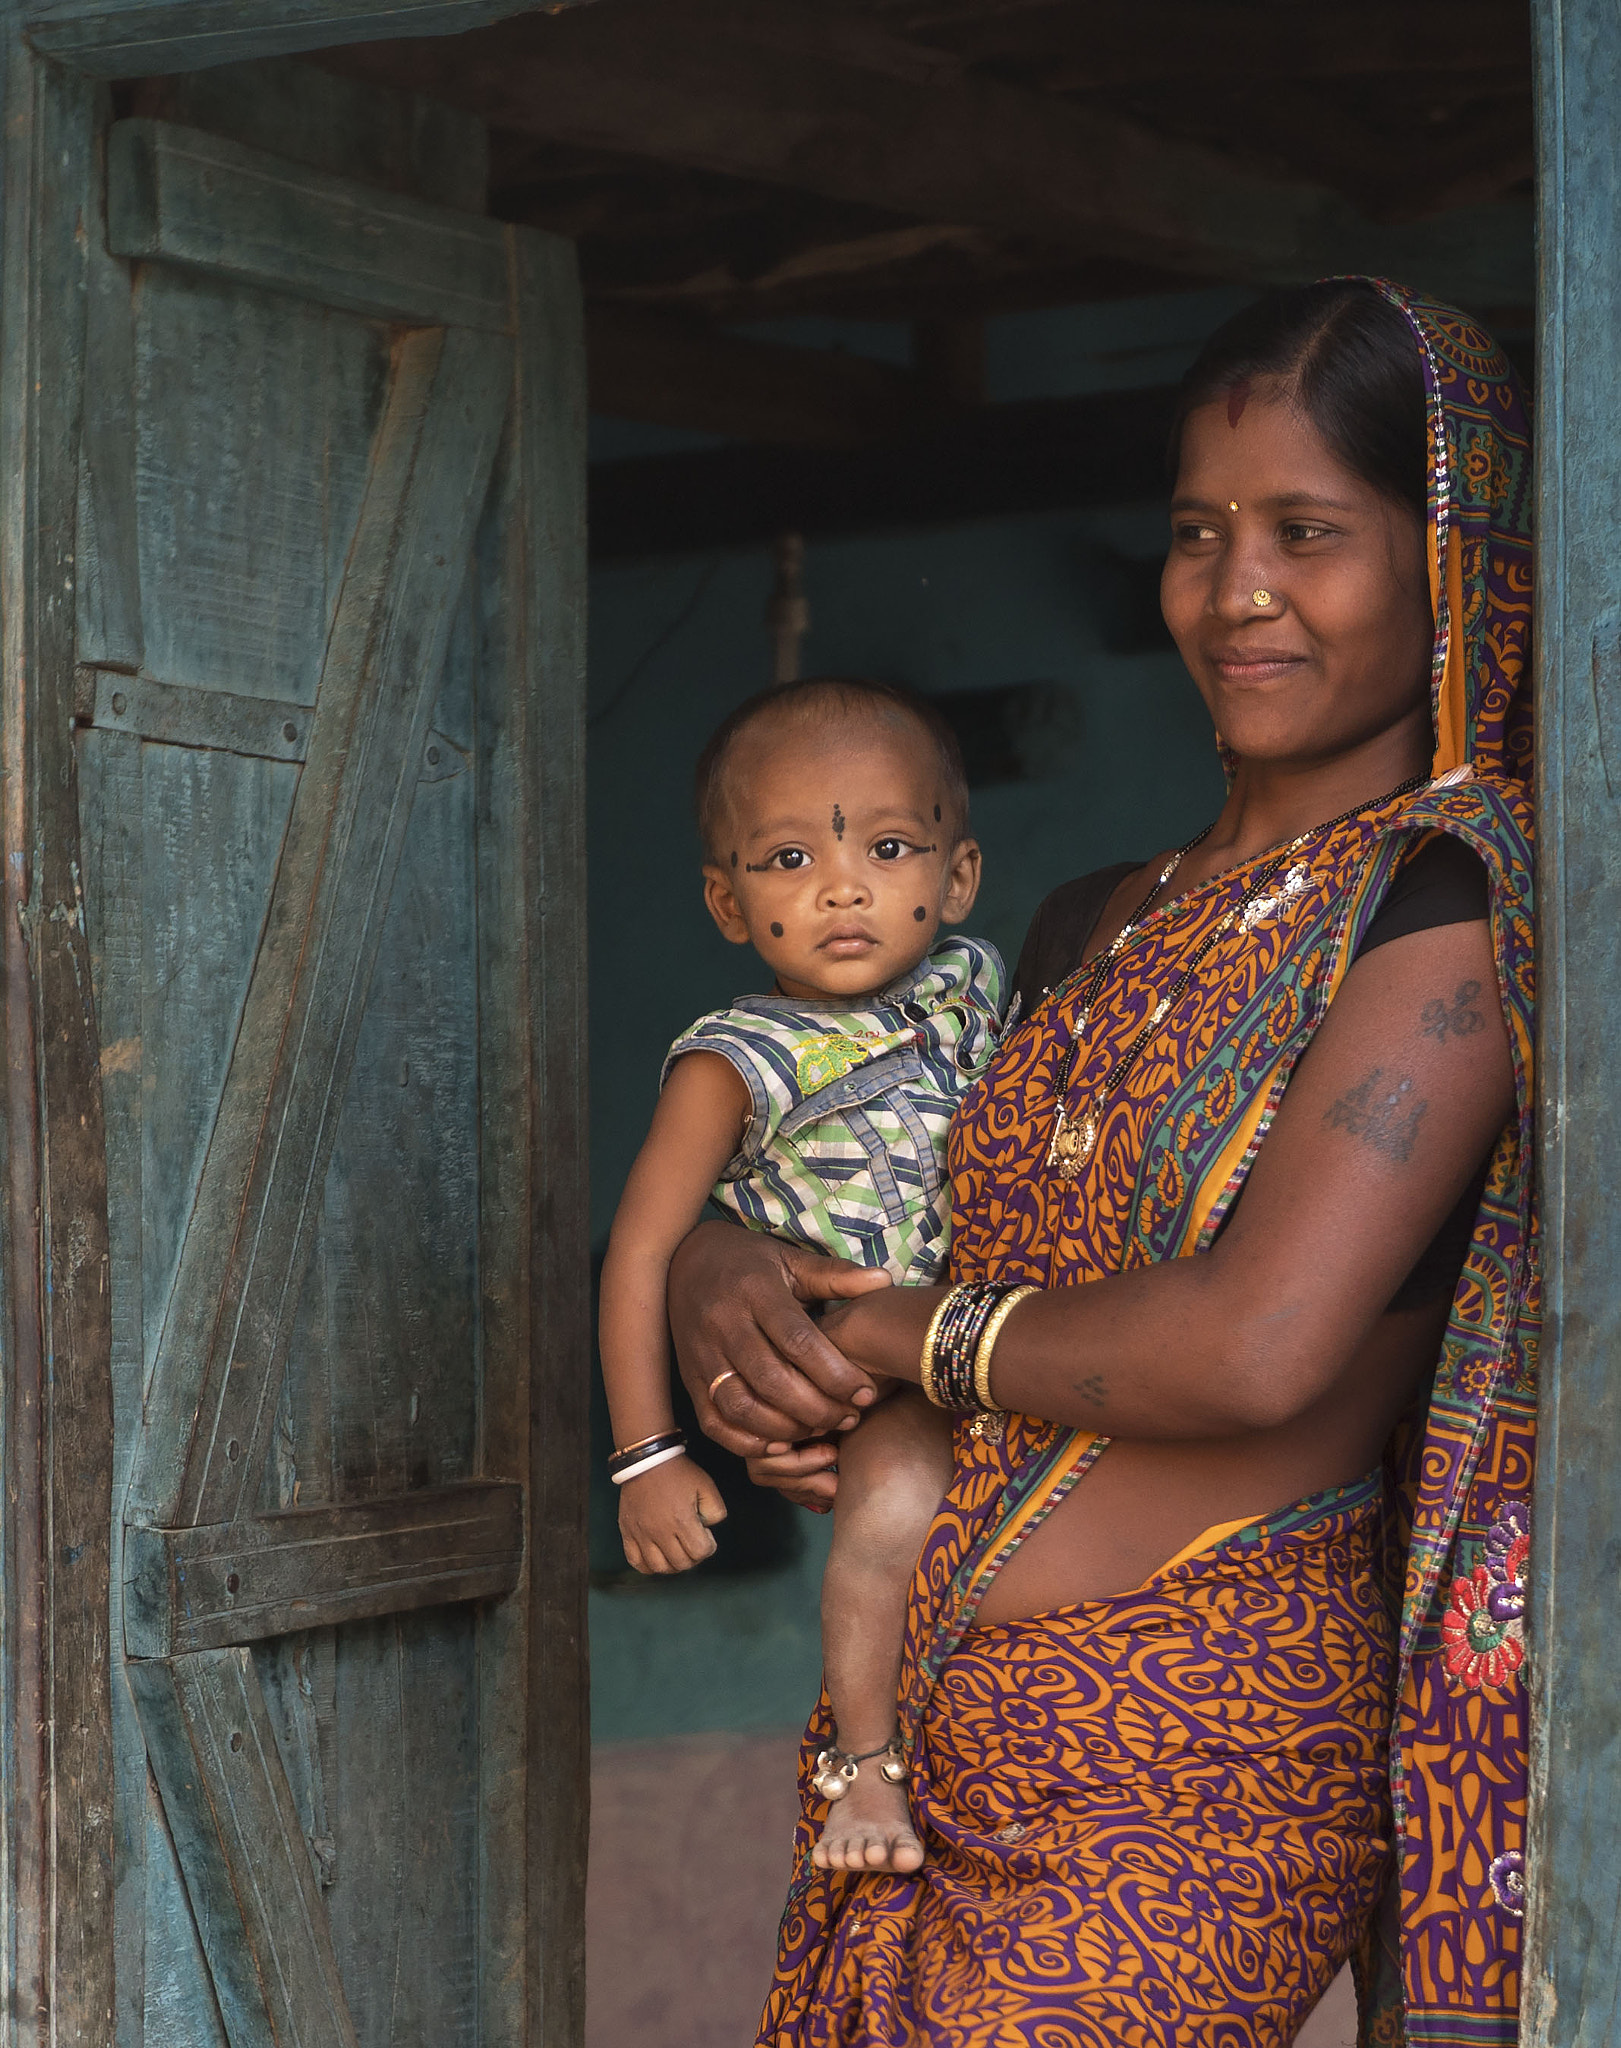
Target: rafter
x=762, y=91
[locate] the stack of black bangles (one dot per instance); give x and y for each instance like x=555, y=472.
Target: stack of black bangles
x=956, y=1361
x=637, y=1458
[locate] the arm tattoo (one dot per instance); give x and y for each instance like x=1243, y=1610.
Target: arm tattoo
x=1381, y=1113
x=1457, y=1019
x=1091, y=1389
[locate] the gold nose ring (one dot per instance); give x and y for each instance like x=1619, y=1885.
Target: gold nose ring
x=1262, y=597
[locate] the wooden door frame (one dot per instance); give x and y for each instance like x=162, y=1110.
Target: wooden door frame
x=57, y=1855
x=1572, y=1976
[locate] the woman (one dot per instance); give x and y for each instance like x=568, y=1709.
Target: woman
x=1147, y=1708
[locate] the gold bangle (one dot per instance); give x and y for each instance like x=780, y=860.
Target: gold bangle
x=987, y=1344
x=925, y=1364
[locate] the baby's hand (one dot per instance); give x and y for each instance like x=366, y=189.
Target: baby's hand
x=666, y=1515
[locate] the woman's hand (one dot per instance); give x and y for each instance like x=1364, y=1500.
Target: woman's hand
x=736, y=1300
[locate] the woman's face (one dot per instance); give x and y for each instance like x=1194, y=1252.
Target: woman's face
x=1341, y=653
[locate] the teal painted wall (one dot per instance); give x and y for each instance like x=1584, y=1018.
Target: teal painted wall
x=674, y=645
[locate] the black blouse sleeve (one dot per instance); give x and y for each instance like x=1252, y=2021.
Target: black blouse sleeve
x=1056, y=941
x=1444, y=883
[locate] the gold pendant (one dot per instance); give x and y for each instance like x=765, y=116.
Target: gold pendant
x=1072, y=1145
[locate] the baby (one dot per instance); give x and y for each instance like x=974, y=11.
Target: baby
x=834, y=818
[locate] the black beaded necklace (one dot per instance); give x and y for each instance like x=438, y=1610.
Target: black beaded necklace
x=1074, y=1138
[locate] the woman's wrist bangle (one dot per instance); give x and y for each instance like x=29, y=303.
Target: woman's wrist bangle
x=987, y=1346
x=647, y=1461
x=926, y=1360
x=663, y=1440
x=951, y=1346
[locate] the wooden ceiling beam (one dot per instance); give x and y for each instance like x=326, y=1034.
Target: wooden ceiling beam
x=746, y=87
x=1105, y=49
x=674, y=373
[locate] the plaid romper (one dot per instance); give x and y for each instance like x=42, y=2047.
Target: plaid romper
x=845, y=1146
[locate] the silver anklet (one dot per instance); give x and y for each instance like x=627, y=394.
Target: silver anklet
x=838, y=1769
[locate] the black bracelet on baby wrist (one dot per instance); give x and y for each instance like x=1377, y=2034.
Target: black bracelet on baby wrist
x=643, y=1455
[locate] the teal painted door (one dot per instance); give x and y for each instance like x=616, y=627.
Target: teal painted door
x=322, y=680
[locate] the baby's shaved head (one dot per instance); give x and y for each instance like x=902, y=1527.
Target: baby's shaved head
x=813, y=707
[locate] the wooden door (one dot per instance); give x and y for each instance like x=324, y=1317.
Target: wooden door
x=293, y=752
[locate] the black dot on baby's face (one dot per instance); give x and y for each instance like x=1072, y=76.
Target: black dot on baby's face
x=776, y=931
x=734, y=860
x=920, y=914
x=936, y=820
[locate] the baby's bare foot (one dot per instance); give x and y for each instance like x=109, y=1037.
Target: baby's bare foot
x=870, y=1828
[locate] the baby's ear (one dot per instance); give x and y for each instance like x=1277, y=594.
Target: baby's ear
x=720, y=899
x=962, y=881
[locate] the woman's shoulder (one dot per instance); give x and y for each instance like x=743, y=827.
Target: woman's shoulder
x=1442, y=882
x=1058, y=933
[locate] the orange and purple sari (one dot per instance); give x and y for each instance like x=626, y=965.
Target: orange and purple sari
x=1170, y=1816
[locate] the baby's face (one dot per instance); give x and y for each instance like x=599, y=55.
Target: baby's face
x=837, y=866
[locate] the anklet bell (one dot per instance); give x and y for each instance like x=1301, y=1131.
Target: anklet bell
x=838, y=1769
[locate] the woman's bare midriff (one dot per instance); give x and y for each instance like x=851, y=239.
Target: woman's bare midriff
x=1143, y=1503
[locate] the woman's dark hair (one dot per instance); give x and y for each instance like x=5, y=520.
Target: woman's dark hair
x=842, y=696
x=1351, y=362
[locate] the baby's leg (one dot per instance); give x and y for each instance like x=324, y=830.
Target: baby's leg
x=893, y=1471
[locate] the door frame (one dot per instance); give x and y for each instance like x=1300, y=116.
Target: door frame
x=1572, y=1980
x=57, y=1851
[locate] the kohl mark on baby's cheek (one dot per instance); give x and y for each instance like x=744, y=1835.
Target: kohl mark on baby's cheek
x=776, y=931
x=936, y=815
x=921, y=914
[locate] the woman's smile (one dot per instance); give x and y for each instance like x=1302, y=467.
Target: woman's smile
x=1253, y=665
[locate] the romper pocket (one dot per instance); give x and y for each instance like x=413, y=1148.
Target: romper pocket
x=906, y=1174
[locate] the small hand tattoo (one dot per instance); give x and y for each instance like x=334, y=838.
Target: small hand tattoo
x=1457, y=1019
x=1092, y=1389
x=838, y=822
x=1381, y=1113
x=921, y=914
x=776, y=931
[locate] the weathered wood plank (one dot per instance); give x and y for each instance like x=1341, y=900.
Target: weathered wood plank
x=59, y=1405
x=110, y=791
x=1572, y=1993
x=548, y=653
x=246, y=509
x=264, y=728
x=223, y=721
x=401, y=142
x=247, y=1867
x=220, y=1359
x=179, y=195
x=124, y=38
x=109, y=565
x=407, y=1828
x=201, y=1589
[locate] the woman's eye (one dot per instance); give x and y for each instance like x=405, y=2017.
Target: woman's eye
x=1190, y=532
x=889, y=849
x=1301, y=529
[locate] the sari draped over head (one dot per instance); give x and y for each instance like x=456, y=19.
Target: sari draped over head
x=1167, y=1817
